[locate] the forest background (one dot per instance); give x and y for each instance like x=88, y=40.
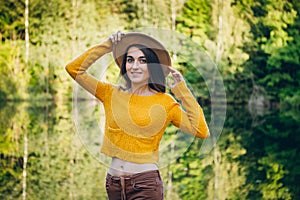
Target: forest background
x=255, y=45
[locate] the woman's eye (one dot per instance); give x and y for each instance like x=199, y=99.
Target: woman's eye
x=129, y=60
x=143, y=61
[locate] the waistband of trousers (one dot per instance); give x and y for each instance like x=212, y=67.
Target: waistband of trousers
x=140, y=175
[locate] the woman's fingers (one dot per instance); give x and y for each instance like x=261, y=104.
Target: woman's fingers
x=176, y=74
x=116, y=37
x=119, y=35
x=177, y=77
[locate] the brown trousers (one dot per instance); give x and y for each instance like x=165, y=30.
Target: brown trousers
x=145, y=185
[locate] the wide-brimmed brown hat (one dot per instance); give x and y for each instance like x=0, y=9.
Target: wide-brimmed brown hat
x=146, y=40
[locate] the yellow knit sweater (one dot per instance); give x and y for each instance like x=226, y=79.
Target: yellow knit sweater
x=135, y=124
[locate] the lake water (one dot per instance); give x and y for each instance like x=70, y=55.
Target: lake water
x=45, y=155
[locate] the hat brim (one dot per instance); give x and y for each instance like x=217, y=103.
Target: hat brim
x=146, y=40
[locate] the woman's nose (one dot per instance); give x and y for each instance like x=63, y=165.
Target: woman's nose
x=135, y=65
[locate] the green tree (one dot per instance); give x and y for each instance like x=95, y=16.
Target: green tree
x=146, y=13
x=272, y=50
x=12, y=20
x=219, y=29
x=195, y=20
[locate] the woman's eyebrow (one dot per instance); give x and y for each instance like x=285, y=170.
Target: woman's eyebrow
x=138, y=57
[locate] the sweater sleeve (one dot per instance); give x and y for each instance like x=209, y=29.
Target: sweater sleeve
x=77, y=69
x=192, y=119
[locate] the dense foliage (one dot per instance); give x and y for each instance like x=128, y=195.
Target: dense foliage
x=255, y=45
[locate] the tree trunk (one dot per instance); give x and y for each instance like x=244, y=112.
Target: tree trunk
x=25, y=151
x=26, y=33
x=219, y=52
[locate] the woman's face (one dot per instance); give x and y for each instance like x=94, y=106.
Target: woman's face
x=136, y=66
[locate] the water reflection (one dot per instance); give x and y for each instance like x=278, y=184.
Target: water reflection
x=251, y=161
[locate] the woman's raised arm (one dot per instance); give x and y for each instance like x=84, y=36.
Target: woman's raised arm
x=77, y=68
x=192, y=119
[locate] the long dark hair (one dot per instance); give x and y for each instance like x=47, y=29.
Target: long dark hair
x=157, y=80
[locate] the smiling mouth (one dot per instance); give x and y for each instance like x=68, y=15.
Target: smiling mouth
x=135, y=73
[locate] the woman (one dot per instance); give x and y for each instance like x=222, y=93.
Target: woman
x=138, y=114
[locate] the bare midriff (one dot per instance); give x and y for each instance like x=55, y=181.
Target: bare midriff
x=121, y=167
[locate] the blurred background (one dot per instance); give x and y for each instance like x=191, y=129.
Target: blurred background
x=254, y=44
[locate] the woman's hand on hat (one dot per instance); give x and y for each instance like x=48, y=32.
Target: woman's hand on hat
x=177, y=77
x=116, y=37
